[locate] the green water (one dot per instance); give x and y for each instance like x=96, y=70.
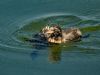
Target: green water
x=20, y=19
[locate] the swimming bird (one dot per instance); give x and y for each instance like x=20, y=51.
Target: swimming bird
x=55, y=34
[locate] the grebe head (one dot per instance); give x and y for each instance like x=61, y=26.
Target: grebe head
x=53, y=33
x=48, y=31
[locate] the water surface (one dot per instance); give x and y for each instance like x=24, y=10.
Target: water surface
x=20, y=19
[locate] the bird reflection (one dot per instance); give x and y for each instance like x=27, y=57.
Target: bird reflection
x=54, y=53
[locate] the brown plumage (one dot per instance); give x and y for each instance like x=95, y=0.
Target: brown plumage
x=55, y=34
